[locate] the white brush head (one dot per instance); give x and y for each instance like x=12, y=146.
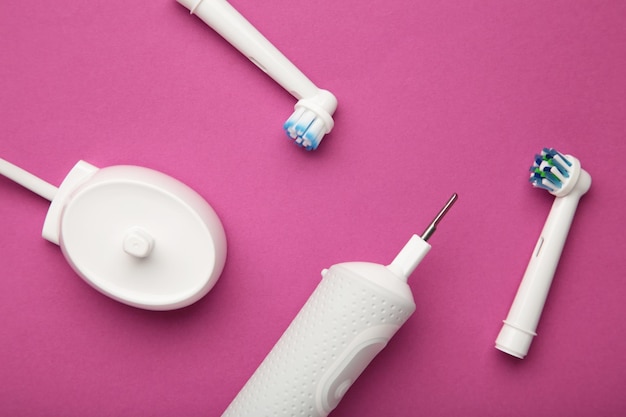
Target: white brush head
x=190, y=4
x=137, y=235
x=558, y=174
x=311, y=120
x=563, y=177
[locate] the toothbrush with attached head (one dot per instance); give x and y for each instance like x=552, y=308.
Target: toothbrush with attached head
x=564, y=178
x=312, y=118
x=347, y=321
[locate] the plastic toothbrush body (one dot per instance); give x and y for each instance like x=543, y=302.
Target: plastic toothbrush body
x=347, y=321
x=312, y=117
x=563, y=177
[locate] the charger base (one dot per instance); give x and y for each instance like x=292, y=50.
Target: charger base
x=140, y=237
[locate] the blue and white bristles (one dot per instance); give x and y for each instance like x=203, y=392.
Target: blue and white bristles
x=305, y=128
x=551, y=170
x=312, y=119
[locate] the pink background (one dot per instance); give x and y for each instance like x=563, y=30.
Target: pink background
x=434, y=97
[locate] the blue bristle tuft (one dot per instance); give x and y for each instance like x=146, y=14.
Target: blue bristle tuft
x=550, y=170
x=305, y=129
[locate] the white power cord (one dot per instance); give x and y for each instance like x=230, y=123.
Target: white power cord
x=28, y=180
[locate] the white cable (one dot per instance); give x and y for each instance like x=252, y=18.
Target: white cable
x=27, y=180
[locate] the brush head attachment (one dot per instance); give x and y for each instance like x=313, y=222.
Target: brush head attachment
x=555, y=172
x=311, y=120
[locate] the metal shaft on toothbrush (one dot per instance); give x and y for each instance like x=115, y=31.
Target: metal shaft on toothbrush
x=347, y=321
x=520, y=326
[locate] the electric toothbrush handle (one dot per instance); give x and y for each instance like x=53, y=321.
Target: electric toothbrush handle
x=345, y=323
x=239, y=32
x=523, y=317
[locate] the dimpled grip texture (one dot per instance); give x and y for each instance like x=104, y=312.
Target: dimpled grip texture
x=345, y=312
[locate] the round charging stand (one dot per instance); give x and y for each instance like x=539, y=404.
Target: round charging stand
x=142, y=238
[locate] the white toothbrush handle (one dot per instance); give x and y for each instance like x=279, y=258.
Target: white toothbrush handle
x=232, y=26
x=521, y=323
x=348, y=319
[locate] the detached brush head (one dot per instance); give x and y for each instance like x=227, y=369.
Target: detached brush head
x=311, y=120
x=558, y=173
x=563, y=177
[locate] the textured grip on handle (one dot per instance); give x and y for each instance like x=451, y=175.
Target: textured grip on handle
x=347, y=320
